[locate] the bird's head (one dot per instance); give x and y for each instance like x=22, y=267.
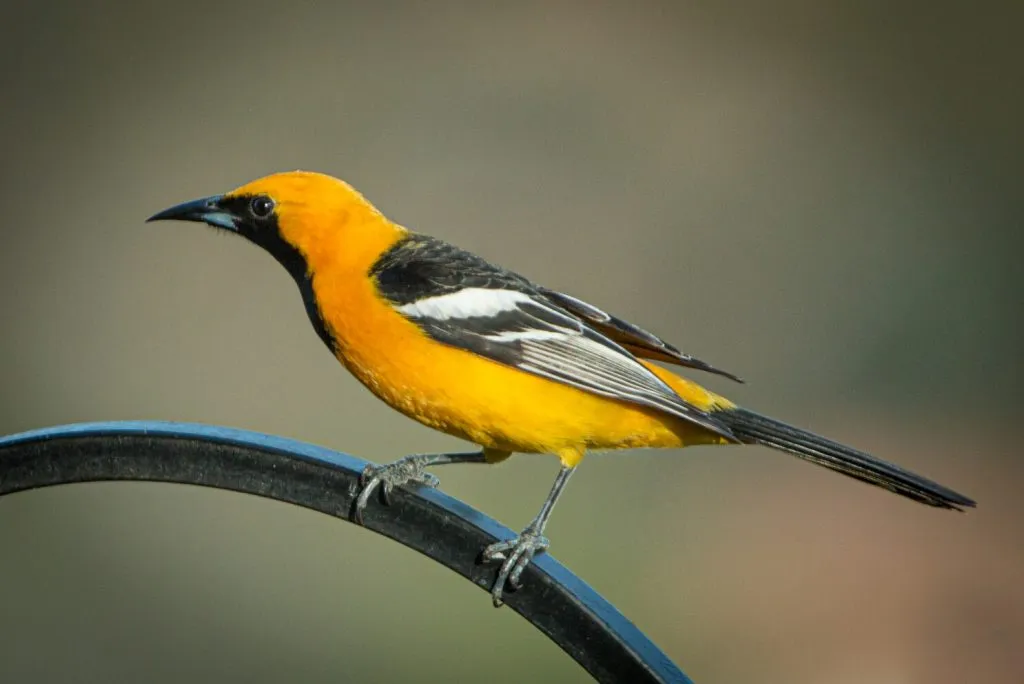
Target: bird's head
x=307, y=221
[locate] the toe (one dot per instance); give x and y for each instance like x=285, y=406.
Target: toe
x=364, y=498
x=496, y=551
x=515, y=578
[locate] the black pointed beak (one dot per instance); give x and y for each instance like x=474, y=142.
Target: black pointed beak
x=206, y=210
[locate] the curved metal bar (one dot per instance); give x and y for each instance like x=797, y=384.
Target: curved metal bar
x=553, y=599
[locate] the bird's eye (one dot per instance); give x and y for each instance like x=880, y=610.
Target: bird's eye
x=261, y=206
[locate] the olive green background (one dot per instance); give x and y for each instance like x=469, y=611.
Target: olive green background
x=822, y=197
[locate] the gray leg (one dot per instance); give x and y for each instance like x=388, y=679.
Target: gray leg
x=517, y=553
x=408, y=469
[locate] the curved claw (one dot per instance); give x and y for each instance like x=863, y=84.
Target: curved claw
x=515, y=577
x=368, y=472
x=514, y=555
x=386, y=487
x=368, y=483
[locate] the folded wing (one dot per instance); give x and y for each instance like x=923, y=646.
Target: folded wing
x=461, y=300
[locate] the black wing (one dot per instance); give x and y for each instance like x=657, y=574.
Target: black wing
x=637, y=340
x=462, y=300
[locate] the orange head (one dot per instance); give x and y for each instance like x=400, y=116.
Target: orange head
x=309, y=222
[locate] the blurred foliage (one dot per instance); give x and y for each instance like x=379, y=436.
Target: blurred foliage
x=822, y=197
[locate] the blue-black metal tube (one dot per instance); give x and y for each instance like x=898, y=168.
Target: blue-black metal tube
x=553, y=599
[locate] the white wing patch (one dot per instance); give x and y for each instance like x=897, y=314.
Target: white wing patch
x=523, y=335
x=470, y=302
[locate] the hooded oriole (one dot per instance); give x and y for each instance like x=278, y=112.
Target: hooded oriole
x=479, y=352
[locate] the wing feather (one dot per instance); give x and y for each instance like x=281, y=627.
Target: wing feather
x=638, y=341
x=470, y=304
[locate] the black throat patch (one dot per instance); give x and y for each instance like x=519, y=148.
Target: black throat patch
x=266, y=234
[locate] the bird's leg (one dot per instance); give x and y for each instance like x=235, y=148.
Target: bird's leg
x=517, y=553
x=408, y=469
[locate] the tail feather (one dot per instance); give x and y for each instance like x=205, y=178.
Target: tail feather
x=752, y=428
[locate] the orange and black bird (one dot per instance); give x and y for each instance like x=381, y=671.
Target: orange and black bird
x=479, y=352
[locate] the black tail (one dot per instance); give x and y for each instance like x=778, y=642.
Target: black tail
x=752, y=428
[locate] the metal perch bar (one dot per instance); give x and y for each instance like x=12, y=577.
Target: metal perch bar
x=446, y=530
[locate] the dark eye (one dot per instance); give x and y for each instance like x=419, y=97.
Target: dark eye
x=261, y=206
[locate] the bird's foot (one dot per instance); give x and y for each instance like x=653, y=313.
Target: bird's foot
x=515, y=555
x=390, y=475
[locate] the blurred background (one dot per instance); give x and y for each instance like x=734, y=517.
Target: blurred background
x=824, y=198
